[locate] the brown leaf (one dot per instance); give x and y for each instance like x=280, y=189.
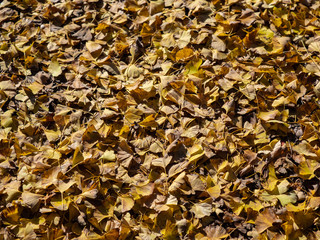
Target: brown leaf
x=265, y=220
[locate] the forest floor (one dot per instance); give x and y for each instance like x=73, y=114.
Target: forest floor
x=167, y=119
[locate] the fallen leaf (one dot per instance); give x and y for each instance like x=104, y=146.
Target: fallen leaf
x=201, y=210
x=55, y=68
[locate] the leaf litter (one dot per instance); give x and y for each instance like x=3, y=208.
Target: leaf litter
x=159, y=119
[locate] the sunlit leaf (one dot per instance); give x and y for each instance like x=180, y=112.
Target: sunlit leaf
x=108, y=155
x=201, y=210
x=55, y=68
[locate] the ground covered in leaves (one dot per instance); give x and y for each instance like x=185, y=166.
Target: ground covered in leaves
x=164, y=119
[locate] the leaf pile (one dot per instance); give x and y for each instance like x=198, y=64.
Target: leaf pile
x=161, y=119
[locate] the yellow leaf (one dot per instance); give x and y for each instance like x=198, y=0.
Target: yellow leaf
x=317, y=89
x=108, y=156
x=64, y=186
x=193, y=66
x=287, y=198
x=132, y=115
x=145, y=190
x=35, y=87
x=196, y=182
x=170, y=231
x=146, y=30
x=178, y=182
x=298, y=208
x=201, y=210
x=172, y=201
x=127, y=204
x=52, y=135
x=249, y=91
x=195, y=153
x=272, y=182
x=184, y=54
x=105, y=130
x=55, y=68
x=307, y=168
x=254, y=205
x=214, y=192
x=11, y=214
x=266, y=116
x=162, y=162
x=184, y=39
x=77, y=156
x=149, y=121
x=283, y=186
x=25, y=49
x=102, y=26
x=133, y=71
x=6, y=118
x=156, y=147
x=58, y=203
x=168, y=40
x=305, y=149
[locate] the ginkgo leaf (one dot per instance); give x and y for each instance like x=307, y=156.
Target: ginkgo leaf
x=108, y=155
x=287, y=198
x=52, y=135
x=25, y=49
x=305, y=149
x=201, y=210
x=172, y=200
x=283, y=186
x=145, y=190
x=314, y=46
x=192, y=67
x=177, y=168
x=314, y=202
x=127, y=203
x=161, y=162
x=60, y=204
x=214, y=191
x=92, y=194
x=11, y=214
x=216, y=232
x=30, y=199
x=77, y=156
x=196, y=152
x=55, y=68
x=184, y=54
x=184, y=39
x=157, y=147
x=307, y=168
x=64, y=186
x=195, y=182
x=170, y=231
x=149, y=121
x=178, y=182
x=266, y=116
x=94, y=48
x=249, y=91
x=265, y=220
